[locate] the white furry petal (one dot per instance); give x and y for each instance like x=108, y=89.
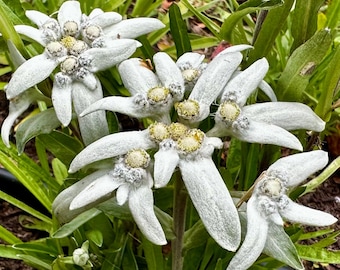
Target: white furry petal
x=253, y=244
x=296, y=168
x=69, y=12
x=212, y=200
x=31, y=32
x=30, y=73
x=111, y=146
x=141, y=207
x=132, y=28
x=301, y=214
x=288, y=115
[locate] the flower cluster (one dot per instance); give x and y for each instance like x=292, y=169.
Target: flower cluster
x=176, y=97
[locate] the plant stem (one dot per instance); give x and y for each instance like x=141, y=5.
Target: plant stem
x=180, y=206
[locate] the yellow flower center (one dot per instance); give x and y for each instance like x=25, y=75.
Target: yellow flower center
x=159, y=132
x=177, y=130
x=138, y=158
x=229, y=111
x=68, y=42
x=192, y=141
x=158, y=94
x=188, y=109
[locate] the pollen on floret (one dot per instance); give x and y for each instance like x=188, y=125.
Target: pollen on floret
x=158, y=94
x=69, y=65
x=190, y=75
x=137, y=158
x=188, y=109
x=70, y=28
x=192, y=141
x=177, y=130
x=229, y=111
x=68, y=42
x=159, y=132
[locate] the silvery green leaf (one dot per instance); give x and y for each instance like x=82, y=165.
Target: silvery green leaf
x=16, y=57
x=132, y=28
x=211, y=199
x=280, y=247
x=288, y=115
x=137, y=77
x=111, y=146
x=255, y=239
x=298, y=167
x=141, y=206
x=43, y=122
x=93, y=126
x=305, y=215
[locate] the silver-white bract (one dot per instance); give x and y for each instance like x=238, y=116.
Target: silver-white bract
x=132, y=180
x=269, y=204
x=191, y=152
x=82, y=45
x=152, y=93
x=266, y=123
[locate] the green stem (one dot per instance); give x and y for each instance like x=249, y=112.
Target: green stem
x=180, y=205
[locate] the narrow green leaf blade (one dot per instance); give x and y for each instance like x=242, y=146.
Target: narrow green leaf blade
x=316, y=254
x=179, y=30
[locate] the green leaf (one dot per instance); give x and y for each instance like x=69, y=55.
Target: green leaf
x=7, y=236
x=70, y=227
x=329, y=85
x=59, y=170
x=301, y=65
x=43, y=122
x=37, y=262
x=38, y=246
x=271, y=27
x=280, y=247
x=153, y=254
x=304, y=20
x=179, y=30
x=95, y=236
x=61, y=145
x=315, y=234
x=25, y=207
x=196, y=236
x=7, y=251
x=317, y=254
x=322, y=177
x=333, y=12
x=37, y=181
x=229, y=27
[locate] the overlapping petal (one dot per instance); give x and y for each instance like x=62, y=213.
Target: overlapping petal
x=69, y=12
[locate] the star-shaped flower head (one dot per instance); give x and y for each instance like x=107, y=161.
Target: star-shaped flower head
x=210, y=83
x=82, y=45
x=132, y=180
x=191, y=151
x=269, y=204
x=266, y=122
x=152, y=93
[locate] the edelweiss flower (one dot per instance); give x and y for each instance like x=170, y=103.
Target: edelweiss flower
x=152, y=94
x=210, y=83
x=269, y=204
x=191, y=151
x=81, y=45
x=132, y=179
x=264, y=122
